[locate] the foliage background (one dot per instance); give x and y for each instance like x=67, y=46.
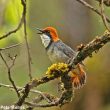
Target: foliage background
x=75, y=24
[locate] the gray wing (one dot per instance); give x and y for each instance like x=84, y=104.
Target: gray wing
x=66, y=49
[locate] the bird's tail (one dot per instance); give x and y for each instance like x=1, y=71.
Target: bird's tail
x=78, y=77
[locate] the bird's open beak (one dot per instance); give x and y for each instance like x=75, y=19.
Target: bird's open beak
x=40, y=31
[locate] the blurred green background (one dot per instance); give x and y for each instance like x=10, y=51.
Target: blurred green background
x=75, y=24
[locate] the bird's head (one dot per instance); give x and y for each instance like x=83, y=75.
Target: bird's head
x=48, y=35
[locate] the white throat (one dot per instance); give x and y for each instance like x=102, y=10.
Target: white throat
x=45, y=40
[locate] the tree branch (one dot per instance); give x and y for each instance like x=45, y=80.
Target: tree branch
x=14, y=30
x=25, y=37
x=9, y=72
x=106, y=2
x=44, y=95
x=103, y=16
x=93, y=9
x=9, y=47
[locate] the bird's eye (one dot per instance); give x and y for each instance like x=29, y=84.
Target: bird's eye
x=48, y=31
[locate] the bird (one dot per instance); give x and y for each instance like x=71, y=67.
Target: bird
x=59, y=52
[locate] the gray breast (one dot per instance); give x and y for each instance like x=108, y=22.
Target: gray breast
x=60, y=52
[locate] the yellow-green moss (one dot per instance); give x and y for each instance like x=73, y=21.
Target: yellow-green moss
x=63, y=67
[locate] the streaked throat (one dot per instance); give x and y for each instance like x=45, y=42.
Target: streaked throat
x=46, y=40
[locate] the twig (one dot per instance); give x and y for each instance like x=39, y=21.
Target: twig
x=44, y=95
x=49, y=98
x=41, y=105
x=12, y=46
x=103, y=16
x=93, y=9
x=52, y=99
x=26, y=40
x=9, y=72
x=14, y=30
x=106, y=2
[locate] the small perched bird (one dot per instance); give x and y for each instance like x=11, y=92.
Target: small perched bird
x=59, y=52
